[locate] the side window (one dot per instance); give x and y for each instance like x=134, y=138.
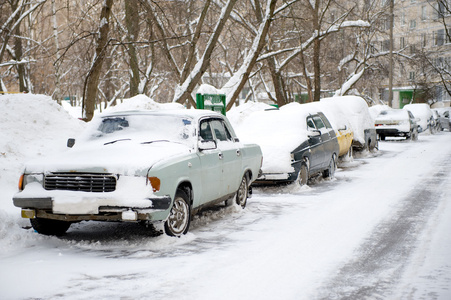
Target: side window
x=325, y=121
x=310, y=124
x=220, y=131
x=205, y=131
x=318, y=122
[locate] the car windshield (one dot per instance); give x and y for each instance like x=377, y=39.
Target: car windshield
x=144, y=129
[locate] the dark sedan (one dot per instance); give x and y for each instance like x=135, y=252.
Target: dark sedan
x=297, y=143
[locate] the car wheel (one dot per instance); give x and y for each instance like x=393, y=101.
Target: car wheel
x=330, y=171
x=303, y=175
x=49, y=226
x=179, y=218
x=415, y=136
x=242, y=193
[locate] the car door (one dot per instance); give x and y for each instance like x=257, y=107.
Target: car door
x=325, y=140
x=315, y=142
x=211, y=161
x=331, y=143
x=231, y=157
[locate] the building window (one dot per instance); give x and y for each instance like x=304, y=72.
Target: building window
x=413, y=24
x=412, y=49
x=439, y=37
x=423, y=13
x=423, y=40
x=402, y=42
x=385, y=45
x=412, y=75
x=403, y=19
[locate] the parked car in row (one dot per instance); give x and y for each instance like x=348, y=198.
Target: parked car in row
x=297, y=142
x=396, y=123
x=444, y=118
x=155, y=166
x=342, y=126
x=423, y=113
x=356, y=110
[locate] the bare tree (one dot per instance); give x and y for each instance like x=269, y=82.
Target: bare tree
x=92, y=79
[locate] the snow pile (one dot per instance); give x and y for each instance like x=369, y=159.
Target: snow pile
x=30, y=126
x=141, y=102
x=356, y=110
x=208, y=89
x=239, y=113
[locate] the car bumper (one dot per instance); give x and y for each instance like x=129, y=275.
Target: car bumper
x=392, y=132
x=80, y=206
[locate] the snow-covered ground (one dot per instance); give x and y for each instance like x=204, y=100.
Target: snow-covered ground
x=380, y=230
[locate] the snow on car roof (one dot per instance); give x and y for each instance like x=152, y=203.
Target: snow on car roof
x=190, y=113
x=278, y=132
x=356, y=109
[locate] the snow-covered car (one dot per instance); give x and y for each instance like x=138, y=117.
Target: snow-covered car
x=396, y=123
x=444, y=118
x=297, y=142
x=343, y=129
x=155, y=166
x=357, y=112
x=423, y=113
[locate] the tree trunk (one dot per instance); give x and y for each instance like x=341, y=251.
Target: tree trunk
x=234, y=87
x=92, y=80
x=185, y=89
x=132, y=23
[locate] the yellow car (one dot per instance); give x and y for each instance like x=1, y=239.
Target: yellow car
x=344, y=138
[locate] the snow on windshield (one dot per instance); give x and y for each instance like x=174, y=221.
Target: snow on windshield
x=392, y=114
x=142, y=128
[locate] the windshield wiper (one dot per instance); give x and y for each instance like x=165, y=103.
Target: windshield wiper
x=112, y=142
x=156, y=141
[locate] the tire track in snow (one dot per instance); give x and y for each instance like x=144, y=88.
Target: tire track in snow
x=379, y=263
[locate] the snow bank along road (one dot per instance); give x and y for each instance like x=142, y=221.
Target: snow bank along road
x=380, y=230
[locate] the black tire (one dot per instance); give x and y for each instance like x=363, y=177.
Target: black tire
x=303, y=175
x=179, y=218
x=49, y=226
x=350, y=153
x=242, y=193
x=330, y=171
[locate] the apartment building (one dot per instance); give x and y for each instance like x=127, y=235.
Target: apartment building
x=419, y=34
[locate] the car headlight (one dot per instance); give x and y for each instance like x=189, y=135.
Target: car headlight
x=30, y=178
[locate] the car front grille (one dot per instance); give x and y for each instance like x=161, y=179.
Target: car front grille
x=97, y=183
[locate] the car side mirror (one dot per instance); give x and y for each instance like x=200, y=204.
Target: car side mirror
x=314, y=133
x=70, y=143
x=343, y=128
x=206, y=145
x=236, y=140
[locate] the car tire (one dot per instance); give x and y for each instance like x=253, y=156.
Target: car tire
x=179, y=218
x=303, y=174
x=330, y=171
x=242, y=193
x=415, y=136
x=49, y=226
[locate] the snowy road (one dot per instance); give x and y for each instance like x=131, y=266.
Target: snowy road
x=380, y=230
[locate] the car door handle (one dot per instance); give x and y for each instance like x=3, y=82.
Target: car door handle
x=238, y=152
x=221, y=156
